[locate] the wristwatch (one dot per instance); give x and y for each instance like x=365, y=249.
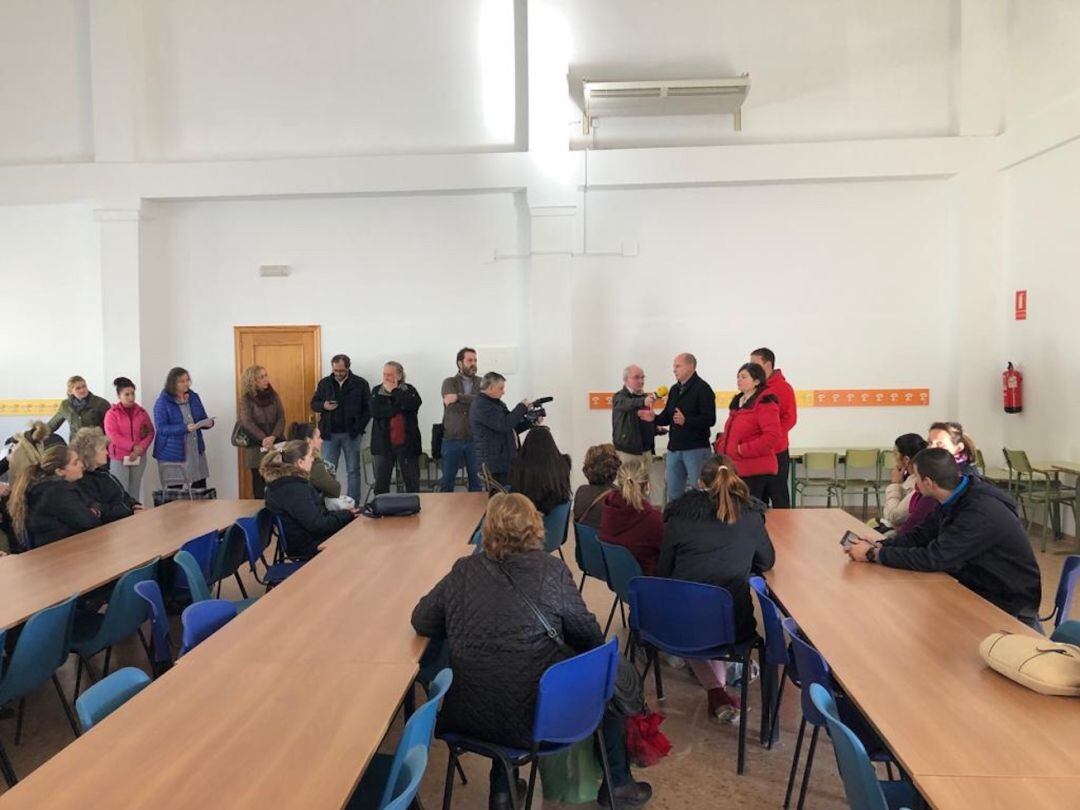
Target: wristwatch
x=871, y=554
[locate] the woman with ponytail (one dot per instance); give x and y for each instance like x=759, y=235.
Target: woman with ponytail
x=45, y=503
x=716, y=535
x=951, y=436
x=290, y=496
x=130, y=432
x=629, y=520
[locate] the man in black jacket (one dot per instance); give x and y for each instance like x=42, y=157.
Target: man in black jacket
x=974, y=534
x=495, y=427
x=343, y=401
x=395, y=432
x=690, y=411
x=632, y=435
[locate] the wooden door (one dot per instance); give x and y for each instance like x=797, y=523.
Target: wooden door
x=292, y=356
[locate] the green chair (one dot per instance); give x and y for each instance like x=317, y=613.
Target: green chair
x=820, y=476
x=866, y=461
x=1034, y=486
x=995, y=475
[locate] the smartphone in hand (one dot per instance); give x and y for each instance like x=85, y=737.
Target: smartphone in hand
x=849, y=539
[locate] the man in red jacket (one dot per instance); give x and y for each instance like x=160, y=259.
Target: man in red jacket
x=777, y=493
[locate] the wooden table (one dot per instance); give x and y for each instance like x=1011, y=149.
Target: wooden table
x=1068, y=467
x=44, y=576
x=904, y=645
x=965, y=792
x=285, y=705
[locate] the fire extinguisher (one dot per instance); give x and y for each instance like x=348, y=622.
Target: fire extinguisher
x=1012, y=390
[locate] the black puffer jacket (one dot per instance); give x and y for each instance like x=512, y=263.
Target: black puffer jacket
x=699, y=548
x=102, y=487
x=56, y=509
x=498, y=648
x=305, y=519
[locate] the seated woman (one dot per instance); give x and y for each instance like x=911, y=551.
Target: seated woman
x=540, y=472
x=498, y=647
x=290, y=495
x=98, y=484
x=949, y=436
x=601, y=465
x=716, y=535
x=629, y=519
x=901, y=492
x=322, y=475
x=45, y=503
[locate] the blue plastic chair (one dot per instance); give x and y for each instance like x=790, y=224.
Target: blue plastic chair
x=814, y=669
x=590, y=557
x=108, y=695
x=376, y=788
x=1067, y=633
x=694, y=621
x=160, y=633
x=123, y=617
x=271, y=528
x=863, y=789
x=621, y=567
x=229, y=557
x=256, y=543
x=200, y=591
x=557, y=528
x=570, y=704
x=202, y=619
x=407, y=784
x=202, y=549
x=42, y=649
x=1066, y=590
x=776, y=654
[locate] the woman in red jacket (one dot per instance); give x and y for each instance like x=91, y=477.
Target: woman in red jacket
x=629, y=520
x=752, y=431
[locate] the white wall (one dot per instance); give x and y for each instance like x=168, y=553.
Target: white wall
x=403, y=278
x=44, y=82
x=255, y=79
x=1044, y=60
x=819, y=71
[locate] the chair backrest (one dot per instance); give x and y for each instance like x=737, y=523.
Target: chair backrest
x=860, y=780
x=196, y=581
x=980, y=462
x=404, y=788
x=1018, y=461
x=150, y=592
x=620, y=567
x=126, y=611
x=108, y=695
x=1066, y=589
x=680, y=616
x=418, y=731
x=202, y=550
x=812, y=668
x=573, y=694
x=556, y=526
x=823, y=464
x=1067, y=632
x=269, y=525
x=41, y=649
x=886, y=463
x=477, y=538
x=591, y=556
x=775, y=645
x=855, y=459
x=253, y=539
x=230, y=555
x=202, y=619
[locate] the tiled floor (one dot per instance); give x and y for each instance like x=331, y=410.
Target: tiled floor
x=700, y=771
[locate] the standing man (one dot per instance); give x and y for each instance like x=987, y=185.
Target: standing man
x=343, y=401
x=690, y=411
x=633, y=431
x=458, y=393
x=777, y=492
x=395, y=431
x=495, y=427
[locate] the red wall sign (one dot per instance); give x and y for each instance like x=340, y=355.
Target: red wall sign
x=1021, y=305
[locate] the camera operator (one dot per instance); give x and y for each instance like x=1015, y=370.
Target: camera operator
x=495, y=427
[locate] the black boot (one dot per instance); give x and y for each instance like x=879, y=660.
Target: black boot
x=632, y=794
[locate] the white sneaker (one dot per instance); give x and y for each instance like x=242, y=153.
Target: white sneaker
x=673, y=661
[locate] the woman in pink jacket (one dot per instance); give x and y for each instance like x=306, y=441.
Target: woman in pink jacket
x=130, y=432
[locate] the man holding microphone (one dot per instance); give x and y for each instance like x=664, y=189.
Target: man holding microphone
x=691, y=412
x=633, y=429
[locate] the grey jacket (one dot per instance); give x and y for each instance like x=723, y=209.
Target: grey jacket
x=456, y=417
x=628, y=433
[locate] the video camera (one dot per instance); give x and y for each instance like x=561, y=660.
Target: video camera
x=536, y=411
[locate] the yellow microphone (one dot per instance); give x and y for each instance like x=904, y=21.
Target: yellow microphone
x=661, y=392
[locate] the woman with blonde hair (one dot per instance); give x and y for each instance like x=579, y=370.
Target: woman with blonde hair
x=29, y=445
x=498, y=647
x=80, y=409
x=629, y=519
x=290, y=495
x=262, y=417
x=45, y=503
x=98, y=484
x=716, y=535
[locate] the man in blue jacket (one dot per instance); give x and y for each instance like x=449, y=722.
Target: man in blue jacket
x=974, y=534
x=495, y=427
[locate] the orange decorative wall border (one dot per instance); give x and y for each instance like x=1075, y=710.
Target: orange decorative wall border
x=28, y=407
x=818, y=398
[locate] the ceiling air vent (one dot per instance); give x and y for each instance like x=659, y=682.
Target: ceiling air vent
x=670, y=97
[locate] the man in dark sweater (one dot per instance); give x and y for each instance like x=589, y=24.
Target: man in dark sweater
x=343, y=402
x=690, y=411
x=974, y=534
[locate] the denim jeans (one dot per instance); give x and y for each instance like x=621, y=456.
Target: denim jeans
x=683, y=468
x=453, y=451
x=333, y=445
